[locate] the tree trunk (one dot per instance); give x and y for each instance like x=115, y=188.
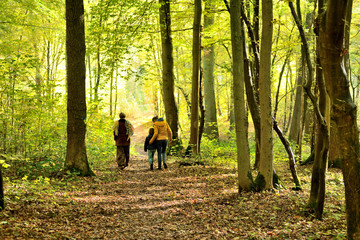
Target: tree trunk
x=211, y=126
x=331, y=37
x=256, y=42
x=251, y=90
x=291, y=156
x=2, y=200
x=99, y=67
x=320, y=156
x=89, y=76
x=116, y=90
x=76, y=158
x=241, y=128
x=300, y=105
x=266, y=138
x=231, y=116
x=168, y=67
x=111, y=89
x=284, y=141
x=321, y=148
x=335, y=159
x=202, y=111
x=194, y=131
x=294, y=130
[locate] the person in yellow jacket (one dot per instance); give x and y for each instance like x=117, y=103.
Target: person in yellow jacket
x=162, y=135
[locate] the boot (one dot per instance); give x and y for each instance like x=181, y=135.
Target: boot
x=151, y=166
x=165, y=166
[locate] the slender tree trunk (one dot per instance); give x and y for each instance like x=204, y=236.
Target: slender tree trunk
x=90, y=77
x=202, y=111
x=111, y=90
x=98, y=74
x=256, y=42
x=98, y=63
x=253, y=106
x=321, y=148
x=231, y=111
x=292, y=163
x=2, y=200
x=116, y=90
x=331, y=37
x=320, y=156
x=194, y=132
x=211, y=126
x=217, y=89
x=168, y=67
x=252, y=92
x=38, y=77
x=241, y=128
x=290, y=86
x=347, y=37
x=284, y=141
x=266, y=138
x=298, y=106
x=76, y=158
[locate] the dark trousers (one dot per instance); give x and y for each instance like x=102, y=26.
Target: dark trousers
x=161, y=149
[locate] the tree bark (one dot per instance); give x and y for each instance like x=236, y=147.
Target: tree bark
x=98, y=64
x=76, y=158
x=2, y=200
x=317, y=198
x=252, y=92
x=256, y=43
x=294, y=130
x=194, y=131
x=202, y=111
x=211, y=126
x=291, y=156
x=335, y=159
x=300, y=106
x=243, y=155
x=168, y=67
x=284, y=141
x=266, y=138
x=331, y=38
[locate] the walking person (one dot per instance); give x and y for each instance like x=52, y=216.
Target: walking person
x=123, y=130
x=150, y=148
x=162, y=135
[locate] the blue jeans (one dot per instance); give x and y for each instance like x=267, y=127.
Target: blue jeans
x=161, y=149
x=151, y=154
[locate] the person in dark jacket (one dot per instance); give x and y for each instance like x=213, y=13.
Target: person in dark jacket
x=123, y=130
x=150, y=148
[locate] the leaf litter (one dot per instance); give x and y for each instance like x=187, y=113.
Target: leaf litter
x=182, y=202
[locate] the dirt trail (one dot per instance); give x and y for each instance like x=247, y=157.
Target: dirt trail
x=195, y=202
x=140, y=133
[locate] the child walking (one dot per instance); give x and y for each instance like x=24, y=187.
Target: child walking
x=150, y=148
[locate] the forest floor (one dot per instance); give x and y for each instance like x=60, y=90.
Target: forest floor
x=182, y=202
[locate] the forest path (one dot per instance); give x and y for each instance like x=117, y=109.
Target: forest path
x=135, y=203
x=192, y=202
x=142, y=127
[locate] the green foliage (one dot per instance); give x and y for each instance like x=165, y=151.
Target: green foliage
x=100, y=142
x=218, y=151
x=32, y=168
